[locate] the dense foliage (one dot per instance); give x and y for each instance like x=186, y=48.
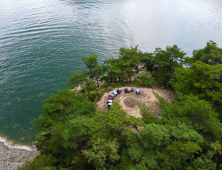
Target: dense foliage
x=72, y=134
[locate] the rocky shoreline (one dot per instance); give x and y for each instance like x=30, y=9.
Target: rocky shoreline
x=13, y=157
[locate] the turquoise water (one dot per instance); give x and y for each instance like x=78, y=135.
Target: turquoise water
x=42, y=42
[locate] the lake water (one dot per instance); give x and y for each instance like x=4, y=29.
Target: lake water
x=42, y=43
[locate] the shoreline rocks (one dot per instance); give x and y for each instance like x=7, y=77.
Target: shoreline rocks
x=15, y=156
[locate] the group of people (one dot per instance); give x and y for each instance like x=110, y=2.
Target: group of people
x=130, y=90
x=111, y=97
x=118, y=91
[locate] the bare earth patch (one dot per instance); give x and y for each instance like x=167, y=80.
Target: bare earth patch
x=131, y=102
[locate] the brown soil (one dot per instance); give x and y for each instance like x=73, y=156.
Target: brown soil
x=131, y=102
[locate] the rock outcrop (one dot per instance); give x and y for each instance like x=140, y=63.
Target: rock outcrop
x=14, y=157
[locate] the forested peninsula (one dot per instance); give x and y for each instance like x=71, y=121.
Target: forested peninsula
x=73, y=133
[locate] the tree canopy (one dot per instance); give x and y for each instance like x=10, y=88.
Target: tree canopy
x=73, y=134
x=121, y=69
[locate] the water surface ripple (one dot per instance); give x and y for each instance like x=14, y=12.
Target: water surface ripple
x=42, y=42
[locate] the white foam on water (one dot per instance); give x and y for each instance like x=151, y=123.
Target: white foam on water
x=16, y=146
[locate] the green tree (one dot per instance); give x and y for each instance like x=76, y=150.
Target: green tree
x=92, y=91
x=110, y=126
x=125, y=161
x=217, y=154
x=71, y=134
x=145, y=78
x=211, y=54
x=95, y=70
x=114, y=124
x=166, y=61
x=121, y=69
x=202, y=163
x=155, y=143
x=177, y=153
x=151, y=139
x=148, y=60
x=60, y=130
x=110, y=75
x=195, y=113
x=40, y=162
x=164, y=146
x=147, y=115
x=201, y=79
x=76, y=79
x=102, y=154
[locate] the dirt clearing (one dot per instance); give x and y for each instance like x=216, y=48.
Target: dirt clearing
x=131, y=102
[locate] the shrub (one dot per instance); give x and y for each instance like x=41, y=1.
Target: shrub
x=92, y=91
x=109, y=88
x=132, y=102
x=39, y=162
x=147, y=116
x=145, y=78
x=164, y=81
